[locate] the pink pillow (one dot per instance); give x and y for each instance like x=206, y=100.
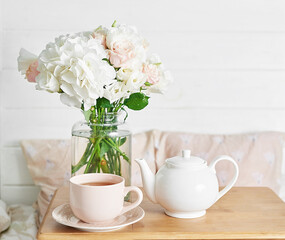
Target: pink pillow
x=259, y=155
x=49, y=164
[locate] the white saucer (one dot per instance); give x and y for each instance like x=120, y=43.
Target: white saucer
x=64, y=215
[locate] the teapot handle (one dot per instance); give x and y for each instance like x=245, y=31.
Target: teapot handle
x=234, y=179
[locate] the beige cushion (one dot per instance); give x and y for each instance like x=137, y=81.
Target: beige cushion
x=5, y=219
x=49, y=164
x=23, y=223
x=258, y=155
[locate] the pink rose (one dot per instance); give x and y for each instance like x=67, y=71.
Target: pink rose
x=152, y=73
x=121, y=52
x=32, y=72
x=101, y=37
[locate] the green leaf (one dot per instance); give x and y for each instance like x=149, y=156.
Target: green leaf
x=123, y=109
x=98, y=28
x=122, y=141
x=148, y=84
x=104, y=148
x=136, y=101
x=87, y=115
x=103, y=103
x=114, y=23
x=107, y=60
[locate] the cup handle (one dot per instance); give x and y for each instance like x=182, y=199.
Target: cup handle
x=135, y=203
x=234, y=179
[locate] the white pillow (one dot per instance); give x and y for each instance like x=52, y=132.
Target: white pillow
x=5, y=219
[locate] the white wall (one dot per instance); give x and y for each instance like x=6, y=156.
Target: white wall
x=227, y=58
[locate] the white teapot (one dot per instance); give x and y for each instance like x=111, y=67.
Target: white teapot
x=185, y=186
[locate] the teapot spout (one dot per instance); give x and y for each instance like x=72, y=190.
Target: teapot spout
x=148, y=179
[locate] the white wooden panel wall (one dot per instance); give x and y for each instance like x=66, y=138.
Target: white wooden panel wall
x=17, y=184
x=227, y=58
x=1, y=84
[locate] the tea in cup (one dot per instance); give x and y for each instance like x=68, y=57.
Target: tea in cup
x=100, y=197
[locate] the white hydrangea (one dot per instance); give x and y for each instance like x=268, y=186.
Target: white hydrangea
x=73, y=64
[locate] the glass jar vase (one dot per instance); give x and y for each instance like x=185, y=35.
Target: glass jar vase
x=103, y=145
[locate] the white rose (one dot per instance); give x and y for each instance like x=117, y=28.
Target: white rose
x=155, y=75
x=100, y=34
x=115, y=92
x=128, y=81
x=126, y=47
x=133, y=79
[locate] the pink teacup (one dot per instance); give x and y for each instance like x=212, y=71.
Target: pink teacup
x=100, y=196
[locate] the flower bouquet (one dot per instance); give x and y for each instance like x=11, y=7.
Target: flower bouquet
x=101, y=72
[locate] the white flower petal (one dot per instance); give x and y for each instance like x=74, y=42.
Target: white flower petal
x=70, y=101
x=68, y=89
x=46, y=81
x=25, y=59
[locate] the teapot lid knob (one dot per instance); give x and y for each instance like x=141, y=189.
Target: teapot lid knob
x=186, y=153
x=186, y=161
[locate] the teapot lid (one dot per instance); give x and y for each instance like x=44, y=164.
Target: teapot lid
x=186, y=160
